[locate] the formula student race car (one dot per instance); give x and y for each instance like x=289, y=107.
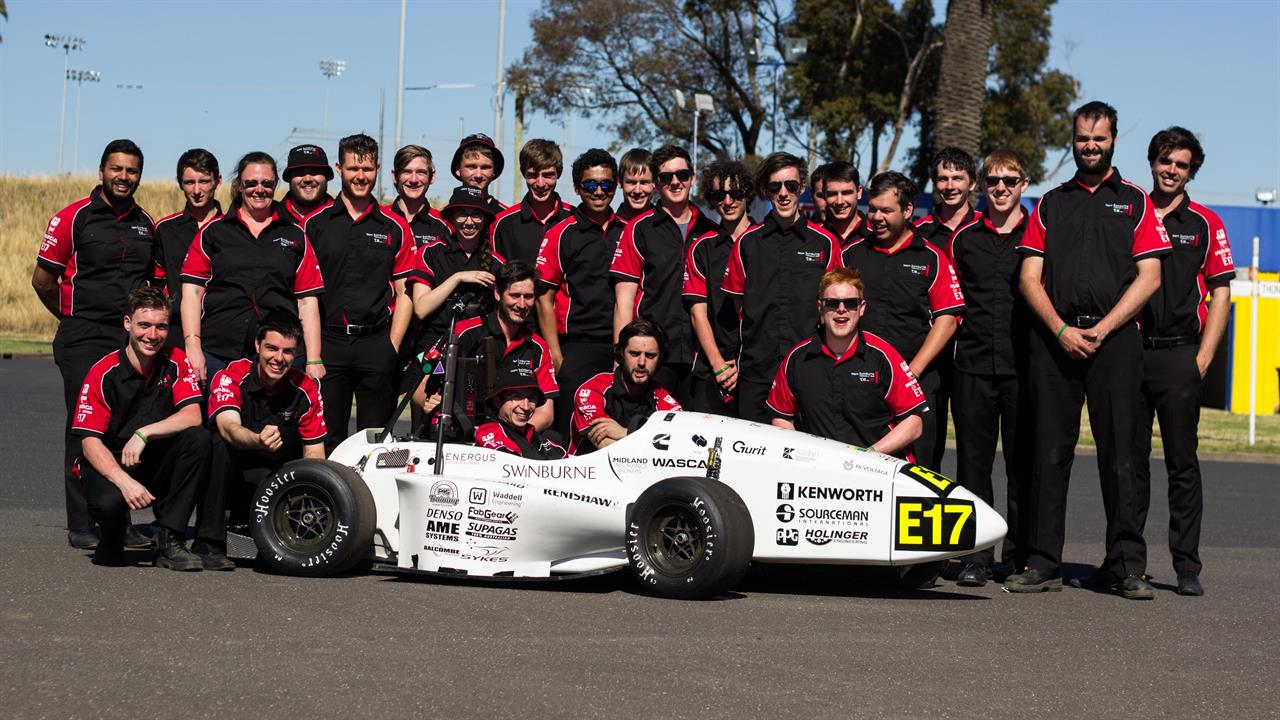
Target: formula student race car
x=686, y=500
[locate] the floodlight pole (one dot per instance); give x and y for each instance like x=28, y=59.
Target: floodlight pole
x=67, y=43
x=500, y=87
x=330, y=69
x=400, y=78
x=81, y=77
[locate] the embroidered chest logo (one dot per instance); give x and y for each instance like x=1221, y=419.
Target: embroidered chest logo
x=866, y=376
x=915, y=269
x=379, y=238
x=810, y=256
x=286, y=243
x=1183, y=240
x=1125, y=209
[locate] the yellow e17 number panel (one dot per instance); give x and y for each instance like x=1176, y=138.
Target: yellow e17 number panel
x=927, y=524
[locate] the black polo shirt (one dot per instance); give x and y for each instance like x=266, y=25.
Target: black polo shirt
x=856, y=397
x=992, y=340
x=605, y=395
x=528, y=443
x=360, y=259
x=427, y=226
x=529, y=352
x=115, y=399
x=574, y=261
x=1091, y=240
x=300, y=217
x=776, y=273
x=293, y=405
x=628, y=213
x=174, y=234
x=704, y=272
x=1201, y=261
x=516, y=233
x=860, y=231
x=652, y=253
x=936, y=232
x=905, y=290
x=99, y=256
x=246, y=277
x=434, y=263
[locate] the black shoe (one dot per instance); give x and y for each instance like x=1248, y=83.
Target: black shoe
x=136, y=539
x=1189, y=584
x=1031, y=581
x=109, y=555
x=212, y=556
x=973, y=575
x=82, y=539
x=173, y=554
x=1099, y=580
x=1135, y=587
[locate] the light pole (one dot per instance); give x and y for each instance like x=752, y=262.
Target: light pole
x=330, y=69
x=80, y=77
x=793, y=50
x=702, y=103
x=67, y=43
x=500, y=88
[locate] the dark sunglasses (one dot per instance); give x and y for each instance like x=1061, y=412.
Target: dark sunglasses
x=994, y=180
x=715, y=196
x=837, y=303
x=601, y=185
x=792, y=186
x=251, y=184
x=682, y=175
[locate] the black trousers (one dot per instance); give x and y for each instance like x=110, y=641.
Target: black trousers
x=987, y=407
x=751, y=401
x=1110, y=381
x=583, y=360
x=674, y=378
x=77, y=345
x=705, y=395
x=932, y=443
x=176, y=470
x=359, y=366
x=1171, y=392
x=240, y=473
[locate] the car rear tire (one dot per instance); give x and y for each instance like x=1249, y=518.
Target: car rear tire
x=689, y=538
x=313, y=518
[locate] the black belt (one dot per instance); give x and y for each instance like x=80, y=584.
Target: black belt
x=1163, y=343
x=1087, y=321
x=357, y=329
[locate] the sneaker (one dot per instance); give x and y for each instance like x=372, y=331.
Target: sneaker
x=82, y=539
x=173, y=554
x=1032, y=581
x=973, y=575
x=211, y=556
x=1135, y=587
x=1189, y=584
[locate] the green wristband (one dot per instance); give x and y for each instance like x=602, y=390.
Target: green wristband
x=1061, y=330
x=722, y=370
x=140, y=436
x=315, y=362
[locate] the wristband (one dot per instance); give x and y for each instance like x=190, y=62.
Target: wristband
x=722, y=370
x=191, y=335
x=140, y=436
x=1061, y=330
x=315, y=362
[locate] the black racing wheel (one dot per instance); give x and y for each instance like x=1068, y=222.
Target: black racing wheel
x=313, y=518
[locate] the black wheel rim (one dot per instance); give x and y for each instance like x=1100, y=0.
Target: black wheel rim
x=675, y=540
x=304, y=518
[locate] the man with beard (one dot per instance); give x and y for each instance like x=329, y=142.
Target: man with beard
x=1093, y=251
x=308, y=174
x=612, y=404
x=198, y=178
x=95, y=251
x=841, y=190
x=514, y=399
x=516, y=233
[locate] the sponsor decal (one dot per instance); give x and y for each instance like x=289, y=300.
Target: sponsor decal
x=788, y=536
x=501, y=497
x=786, y=491
x=443, y=492
x=669, y=417
x=791, y=491
x=935, y=481
x=438, y=514
x=484, y=553
x=442, y=530
x=579, y=497
x=440, y=549
x=744, y=449
x=799, y=454
x=549, y=472
x=493, y=516
x=662, y=441
x=478, y=496
x=822, y=536
x=926, y=524
x=853, y=465
x=833, y=516
x=467, y=457
x=679, y=463
x=699, y=441
x=786, y=513
x=489, y=531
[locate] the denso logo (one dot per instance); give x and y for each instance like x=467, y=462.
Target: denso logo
x=438, y=514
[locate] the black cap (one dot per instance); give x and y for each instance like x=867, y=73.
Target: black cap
x=308, y=156
x=511, y=377
x=477, y=139
x=469, y=197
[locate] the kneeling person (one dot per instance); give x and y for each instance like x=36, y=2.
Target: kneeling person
x=610, y=405
x=139, y=416
x=515, y=398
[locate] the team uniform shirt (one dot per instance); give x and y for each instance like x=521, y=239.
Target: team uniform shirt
x=246, y=277
x=856, y=397
x=360, y=260
x=776, y=271
x=859, y=232
x=704, y=271
x=1091, y=241
x=529, y=352
x=906, y=290
x=652, y=253
x=1201, y=261
x=99, y=256
x=574, y=261
x=174, y=235
x=628, y=213
x=116, y=399
x=299, y=216
x=516, y=233
x=433, y=264
x=992, y=339
x=936, y=232
x=293, y=405
x=528, y=443
x=605, y=395
x=428, y=226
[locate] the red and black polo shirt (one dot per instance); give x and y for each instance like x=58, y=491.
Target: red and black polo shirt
x=628, y=213
x=293, y=405
x=859, y=231
x=528, y=353
x=99, y=256
x=905, y=290
x=992, y=338
x=652, y=253
x=434, y=263
x=116, y=399
x=360, y=259
x=936, y=232
x=174, y=234
x=299, y=216
x=1201, y=261
x=527, y=442
x=574, y=261
x=246, y=277
x=856, y=397
x=776, y=271
x=516, y=233
x=1091, y=240
x=605, y=395
x=704, y=271
x=428, y=226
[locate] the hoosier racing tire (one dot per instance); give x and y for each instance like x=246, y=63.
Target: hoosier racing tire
x=313, y=518
x=689, y=538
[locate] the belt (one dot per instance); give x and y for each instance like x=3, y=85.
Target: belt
x=1163, y=343
x=356, y=329
x=1087, y=321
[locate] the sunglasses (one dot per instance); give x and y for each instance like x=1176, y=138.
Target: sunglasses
x=716, y=196
x=994, y=180
x=682, y=175
x=834, y=304
x=251, y=184
x=792, y=186
x=600, y=185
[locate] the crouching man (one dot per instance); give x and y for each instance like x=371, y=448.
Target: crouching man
x=143, y=445
x=515, y=398
x=266, y=414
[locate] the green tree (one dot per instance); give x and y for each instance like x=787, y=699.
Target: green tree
x=963, y=73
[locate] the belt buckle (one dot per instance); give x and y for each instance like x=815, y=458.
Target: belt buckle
x=355, y=329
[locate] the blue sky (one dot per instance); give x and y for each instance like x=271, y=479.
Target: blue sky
x=239, y=76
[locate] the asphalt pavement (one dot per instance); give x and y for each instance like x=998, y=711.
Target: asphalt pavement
x=82, y=641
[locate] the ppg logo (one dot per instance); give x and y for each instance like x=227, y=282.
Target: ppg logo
x=788, y=536
x=786, y=491
x=479, y=496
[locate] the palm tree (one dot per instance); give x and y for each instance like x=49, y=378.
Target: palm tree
x=962, y=81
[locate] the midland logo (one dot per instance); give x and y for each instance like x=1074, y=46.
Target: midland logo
x=443, y=493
